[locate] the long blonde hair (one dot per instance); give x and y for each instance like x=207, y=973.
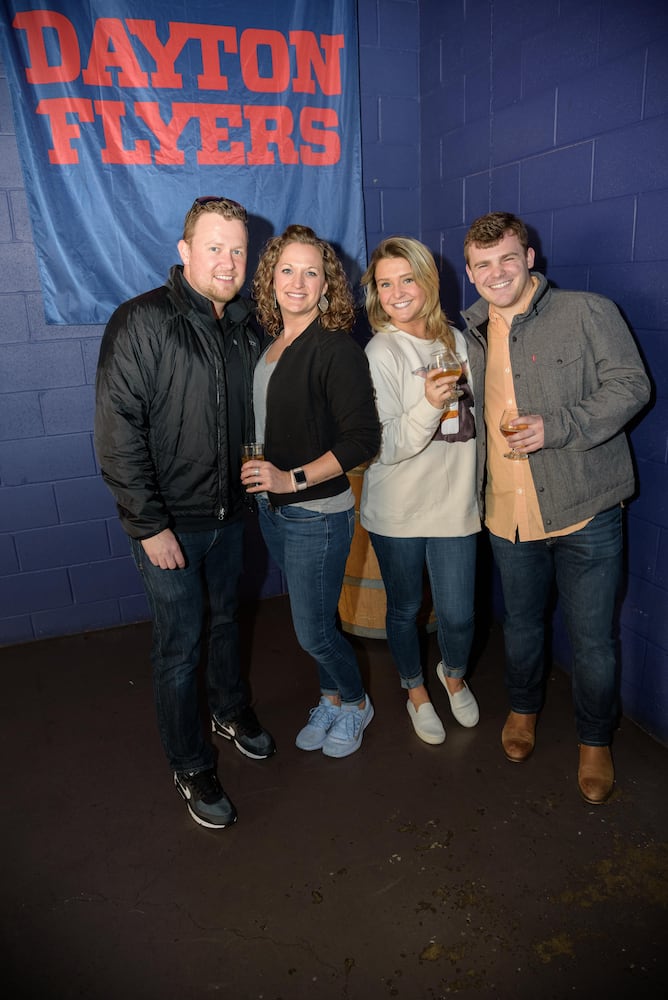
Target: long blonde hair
x=422, y=264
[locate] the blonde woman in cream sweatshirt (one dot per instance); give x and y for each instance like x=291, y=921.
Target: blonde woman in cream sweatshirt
x=419, y=494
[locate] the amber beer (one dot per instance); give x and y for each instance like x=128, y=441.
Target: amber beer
x=508, y=429
x=252, y=452
x=446, y=363
x=449, y=363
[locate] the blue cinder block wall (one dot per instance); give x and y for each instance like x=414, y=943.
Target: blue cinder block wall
x=558, y=111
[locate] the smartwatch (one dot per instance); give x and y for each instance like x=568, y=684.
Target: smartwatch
x=299, y=477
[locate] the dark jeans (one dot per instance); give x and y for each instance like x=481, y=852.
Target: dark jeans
x=451, y=566
x=586, y=566
x=181, y=601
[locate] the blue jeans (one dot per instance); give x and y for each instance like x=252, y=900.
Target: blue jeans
x=180, y=601
x=587, y=568
x=311, y=550
x=451, y=566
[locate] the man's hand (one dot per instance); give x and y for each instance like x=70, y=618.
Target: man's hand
x=531, y=439
x=164, y=551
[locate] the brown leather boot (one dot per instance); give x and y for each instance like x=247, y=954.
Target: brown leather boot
x=596, y=774
x=519, y=736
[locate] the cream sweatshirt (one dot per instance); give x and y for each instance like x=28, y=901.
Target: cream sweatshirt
x=420, y=484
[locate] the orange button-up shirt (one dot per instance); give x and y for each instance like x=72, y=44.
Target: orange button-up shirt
x=511, y=503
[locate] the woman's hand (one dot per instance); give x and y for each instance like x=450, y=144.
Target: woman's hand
x=438, y=388
x=258, y=476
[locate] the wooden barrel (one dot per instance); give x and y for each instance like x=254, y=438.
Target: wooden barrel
x=363, y=604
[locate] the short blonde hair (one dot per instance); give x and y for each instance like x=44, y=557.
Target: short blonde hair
x=225, y=207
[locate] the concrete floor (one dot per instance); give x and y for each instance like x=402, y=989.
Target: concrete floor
x=403, y=871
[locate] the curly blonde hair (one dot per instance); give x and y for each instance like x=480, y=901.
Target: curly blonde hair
x=340, y=314
x=421, y=262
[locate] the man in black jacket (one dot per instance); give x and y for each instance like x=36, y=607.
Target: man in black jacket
x=173, y=405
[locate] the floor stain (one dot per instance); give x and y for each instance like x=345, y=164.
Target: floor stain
x=634, y=871
x=554, y=947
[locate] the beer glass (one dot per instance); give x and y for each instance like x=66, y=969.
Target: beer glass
x=449, y=363
x=252, y=451
x=510, y=424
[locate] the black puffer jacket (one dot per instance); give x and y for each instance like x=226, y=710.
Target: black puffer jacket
x=161, y=432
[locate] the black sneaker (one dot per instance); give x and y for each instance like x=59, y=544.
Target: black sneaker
x=246, y=733
x=207, y=802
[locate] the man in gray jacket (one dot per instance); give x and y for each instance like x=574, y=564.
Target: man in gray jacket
x=553, y=503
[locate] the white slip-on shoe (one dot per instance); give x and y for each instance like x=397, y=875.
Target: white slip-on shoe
x=426, y=723
x=463, y=704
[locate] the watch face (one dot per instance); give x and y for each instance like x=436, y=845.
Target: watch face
x=300, y=479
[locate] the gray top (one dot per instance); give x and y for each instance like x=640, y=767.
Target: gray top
x=262, y=376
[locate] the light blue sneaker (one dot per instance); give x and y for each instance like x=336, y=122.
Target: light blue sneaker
x=320, y=721
x=345, y=736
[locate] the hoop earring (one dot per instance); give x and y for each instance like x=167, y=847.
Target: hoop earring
x=323, y=303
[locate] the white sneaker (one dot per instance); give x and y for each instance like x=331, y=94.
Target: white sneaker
x=426, y=723
x=463, y=704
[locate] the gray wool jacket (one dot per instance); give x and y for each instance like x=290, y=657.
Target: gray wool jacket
x=576, y=364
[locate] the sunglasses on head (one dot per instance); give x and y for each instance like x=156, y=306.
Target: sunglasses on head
x=208, y=199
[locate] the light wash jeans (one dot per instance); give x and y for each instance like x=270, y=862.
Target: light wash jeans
x=311, y=549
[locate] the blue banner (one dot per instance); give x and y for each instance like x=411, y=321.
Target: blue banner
x=126, y=111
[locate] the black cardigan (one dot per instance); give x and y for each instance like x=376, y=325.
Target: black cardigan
x=320, y=398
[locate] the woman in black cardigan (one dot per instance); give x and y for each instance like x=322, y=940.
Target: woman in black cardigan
x=315, y=412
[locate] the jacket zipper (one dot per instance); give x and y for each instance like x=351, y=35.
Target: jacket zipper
x=221, y=510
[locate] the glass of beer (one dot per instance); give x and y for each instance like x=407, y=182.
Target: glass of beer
x=511, y=422
x=449, y=363
x=252, y=451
